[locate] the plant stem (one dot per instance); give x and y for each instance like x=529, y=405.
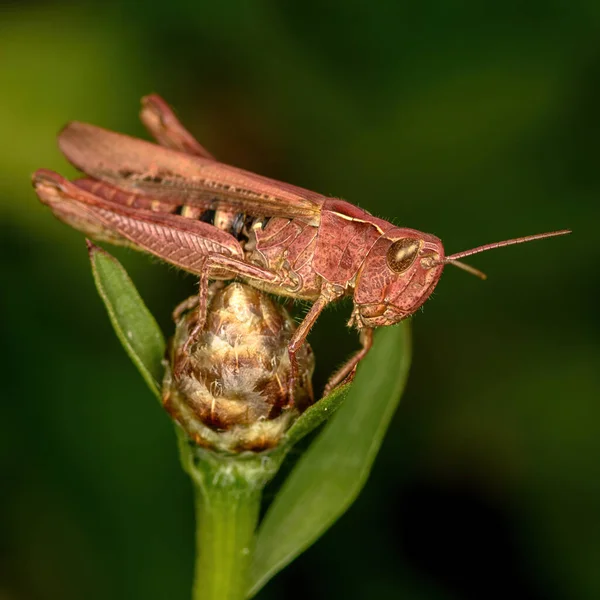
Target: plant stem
x=228, y=492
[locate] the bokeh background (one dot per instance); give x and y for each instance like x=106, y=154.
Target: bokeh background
x=473, y=121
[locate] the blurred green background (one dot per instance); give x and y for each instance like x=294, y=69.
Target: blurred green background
x=473, y=121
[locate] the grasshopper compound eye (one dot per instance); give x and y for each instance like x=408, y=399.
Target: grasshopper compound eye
x=402, y=254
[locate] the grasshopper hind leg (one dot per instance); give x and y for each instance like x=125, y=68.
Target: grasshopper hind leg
x=167, y=130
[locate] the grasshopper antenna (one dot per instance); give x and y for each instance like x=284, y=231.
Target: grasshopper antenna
x=453, y=259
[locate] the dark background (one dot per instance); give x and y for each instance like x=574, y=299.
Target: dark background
x=473, y=121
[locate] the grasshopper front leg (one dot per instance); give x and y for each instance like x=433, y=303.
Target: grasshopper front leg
x=348, y=368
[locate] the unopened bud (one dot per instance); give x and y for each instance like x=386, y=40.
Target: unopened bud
x=230, y=390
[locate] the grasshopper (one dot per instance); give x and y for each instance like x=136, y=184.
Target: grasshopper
x=176, y=201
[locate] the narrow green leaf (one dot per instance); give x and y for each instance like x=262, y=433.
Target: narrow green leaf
x=331, y=473
x=134, y=324
x=317, y=414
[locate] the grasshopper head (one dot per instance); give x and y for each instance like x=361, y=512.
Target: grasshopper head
x=402, y=269
x=397, y=276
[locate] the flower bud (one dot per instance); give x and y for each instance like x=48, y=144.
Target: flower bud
x=230, y=390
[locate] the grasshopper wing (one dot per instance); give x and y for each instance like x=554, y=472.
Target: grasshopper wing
x=166, y=174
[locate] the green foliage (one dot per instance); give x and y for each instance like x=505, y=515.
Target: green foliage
x=320, y=488
x=470, y=121
x=330, y=475
x=134, y=325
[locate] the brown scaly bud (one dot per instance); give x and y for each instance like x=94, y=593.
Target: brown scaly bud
x=231, y=389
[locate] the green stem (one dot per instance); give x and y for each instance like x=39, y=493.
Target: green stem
x=228, y=492
x=225, y=538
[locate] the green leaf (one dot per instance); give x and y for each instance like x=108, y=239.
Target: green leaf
x=330, y=475
x=317, y=414
x=134, y=324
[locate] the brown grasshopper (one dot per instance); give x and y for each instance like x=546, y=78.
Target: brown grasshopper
x=177, y=202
